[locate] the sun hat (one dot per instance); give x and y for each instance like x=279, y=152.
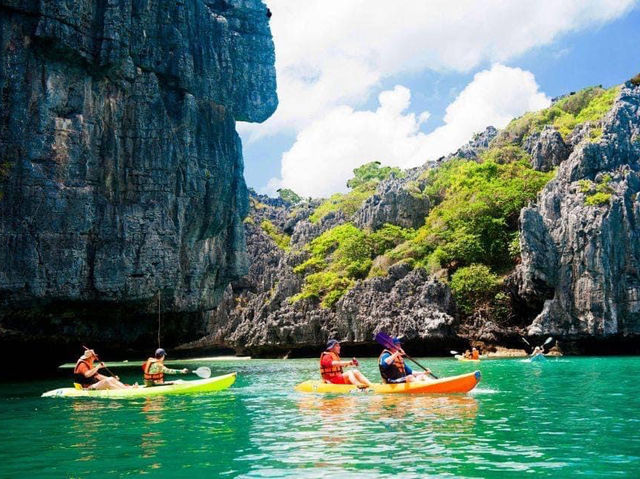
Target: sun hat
x=88, y=353
x=331, y=343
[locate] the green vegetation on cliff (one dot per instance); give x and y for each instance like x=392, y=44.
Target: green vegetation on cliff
x=473, y=286
x=589, y=104
x=362, y=185
x=475, y=214
x=470, y=234
x=340, y=256
x=597, y=194
x=289, y=196
x=280, y=239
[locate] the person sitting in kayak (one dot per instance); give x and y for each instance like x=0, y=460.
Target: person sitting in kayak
x=537, y=351
x=467, y=354
x=393, y=369
x=87, y=376
x=331, y=367
x=154, y=369
x=475, y=354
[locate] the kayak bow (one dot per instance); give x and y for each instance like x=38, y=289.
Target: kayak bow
x=453, y=384
x=199, y=386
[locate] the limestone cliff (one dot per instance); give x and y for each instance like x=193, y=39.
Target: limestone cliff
x=122, y=174
x=580, y=249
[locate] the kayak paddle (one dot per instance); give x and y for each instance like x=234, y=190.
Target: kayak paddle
x=387, y=341
x=454, y=352
x=203, y=371
x=547, y=341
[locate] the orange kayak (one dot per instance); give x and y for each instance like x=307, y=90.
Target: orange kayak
x=453, y=384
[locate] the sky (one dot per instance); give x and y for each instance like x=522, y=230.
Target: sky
x=359, y=81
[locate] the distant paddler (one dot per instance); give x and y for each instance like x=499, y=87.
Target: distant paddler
x=154, y=369
x=538, y=351
x=331, y=367
x=393, y=368
x=475, y=354
x=86, y=375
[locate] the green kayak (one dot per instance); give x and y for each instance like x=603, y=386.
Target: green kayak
x=198, y=386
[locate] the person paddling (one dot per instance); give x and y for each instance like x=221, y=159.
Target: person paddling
x=154, y=369
x=393, y=369
x=537, y=351
x=87, y=376
x=331, y=367
x=475, y=354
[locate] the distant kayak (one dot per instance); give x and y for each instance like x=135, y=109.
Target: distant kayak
x=453, y=384
x=198, y=386
x=537, y=358
x=460, y=357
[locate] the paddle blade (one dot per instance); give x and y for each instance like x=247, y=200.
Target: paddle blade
x=384, y=339
x=549, y=339
x=203, y=371
x=454, y=352
x=526, y=341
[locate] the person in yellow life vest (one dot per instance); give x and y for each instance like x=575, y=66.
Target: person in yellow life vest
x=154, y=369
x=331, y=367
x=393, y=369
x=87, y=376
x=475, y=354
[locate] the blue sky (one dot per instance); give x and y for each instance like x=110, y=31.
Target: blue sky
x=321, y=145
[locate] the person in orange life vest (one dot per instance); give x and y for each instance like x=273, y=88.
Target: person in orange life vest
x=331, y=367
x=393, y=368
x=154, y=369
x=475, y=354
x=87, y=375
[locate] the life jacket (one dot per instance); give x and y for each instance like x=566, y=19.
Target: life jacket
x=395, y=370
x=330, y=371
x=155, y=377
x=475, y=355
x=80, y=378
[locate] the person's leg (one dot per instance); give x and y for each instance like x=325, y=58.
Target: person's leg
x=108, y=383
x=361, y=378
x=350, y=377
x=115, y=384
x=102, y=384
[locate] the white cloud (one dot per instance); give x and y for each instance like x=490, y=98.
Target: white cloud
x=327, y=150
x=334, y=52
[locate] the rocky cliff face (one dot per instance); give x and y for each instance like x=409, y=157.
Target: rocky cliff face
x=122, y=174
x=257, y=317
x=580, y=249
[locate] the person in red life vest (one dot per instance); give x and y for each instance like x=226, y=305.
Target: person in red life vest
x=393, y=368
x=154, y=369
x=331, y=367
x=86, y=374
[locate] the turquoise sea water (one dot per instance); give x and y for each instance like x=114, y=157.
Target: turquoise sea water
x=567, y=417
